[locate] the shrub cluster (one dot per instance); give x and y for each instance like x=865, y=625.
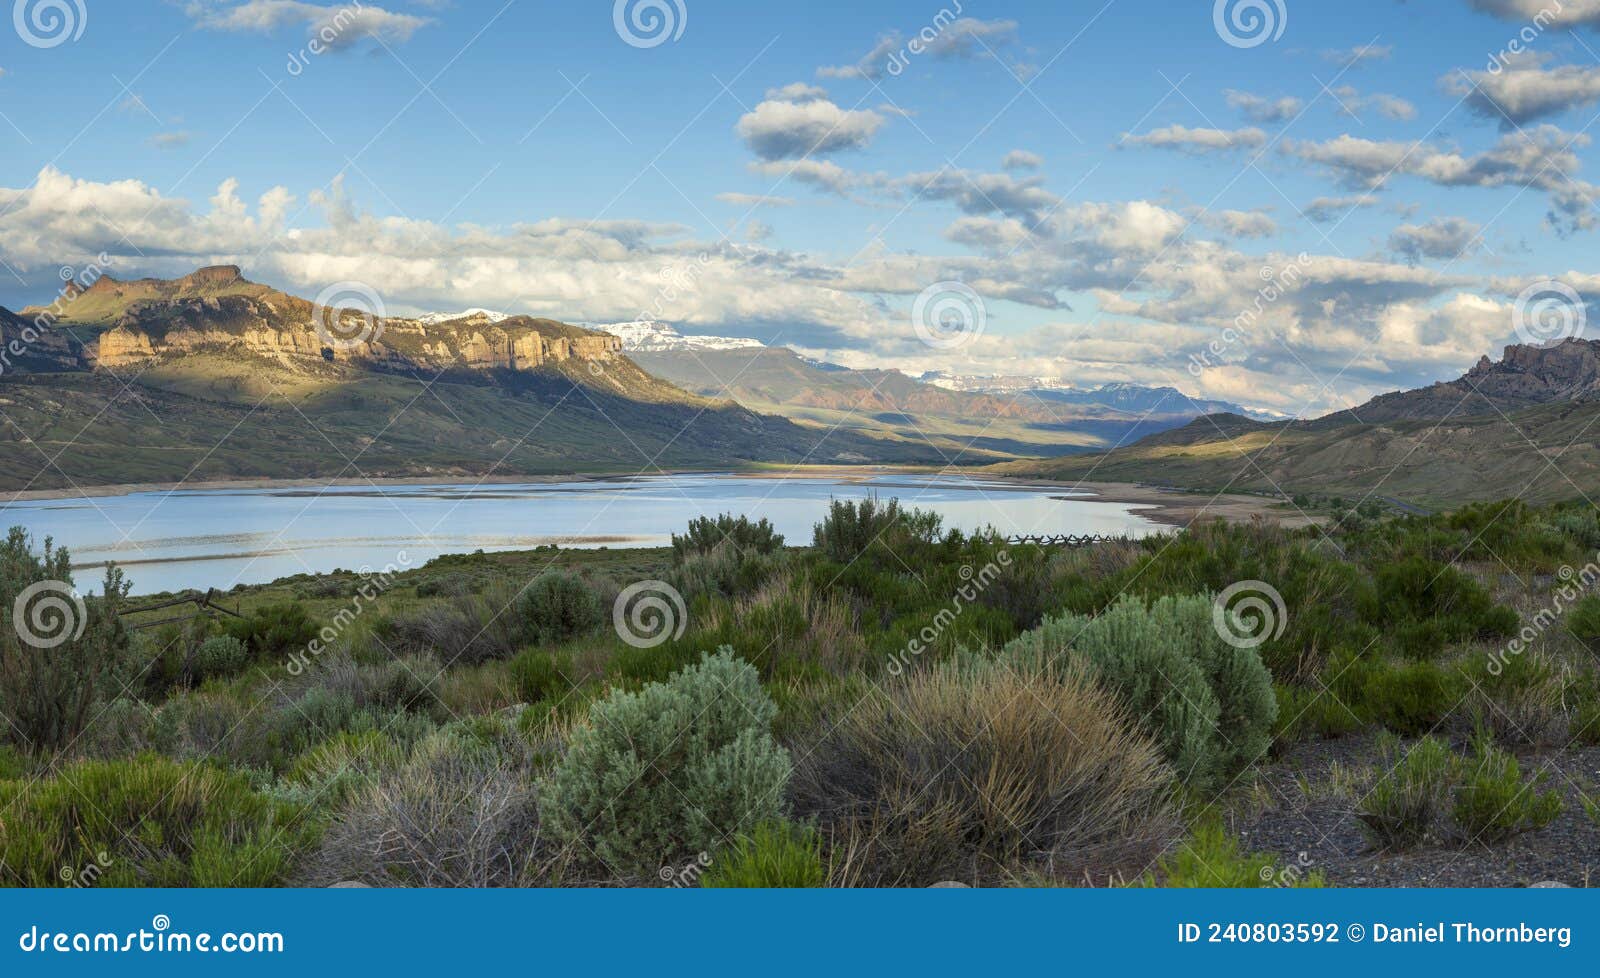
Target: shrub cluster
x=660, y=775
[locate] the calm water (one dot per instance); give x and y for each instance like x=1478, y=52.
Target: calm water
x=218, y=538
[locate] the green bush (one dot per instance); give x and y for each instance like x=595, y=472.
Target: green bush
x=1401, y=809
x=1492, y=802
x=557, y=607
x=705, y=534
x=148, y=821
x=1583, y=621
x=1427, y=605
x=666, y=773
x=1208, y=704
x=725, y=569
x=1212, y=859
x=851, y=528
x=774, y=855
x=275, y=630
x=540, y=675
x=1409, y=698
x=220, y=656
x=56, y=653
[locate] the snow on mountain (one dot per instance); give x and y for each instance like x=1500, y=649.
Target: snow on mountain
x=435, y=318
x=649, y=336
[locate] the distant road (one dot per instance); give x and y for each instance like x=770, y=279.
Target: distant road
x=1405, y=507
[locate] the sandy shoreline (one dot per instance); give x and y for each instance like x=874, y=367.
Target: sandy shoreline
x=1167, y=506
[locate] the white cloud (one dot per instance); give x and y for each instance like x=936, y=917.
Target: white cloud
x=1540, y=158
x=782, y=130
x=1554, y=13
x=1263, y=110
x=170, y=140
x=1446, y=238
x=1021, y=159
x=797, y=92
x=338, y=26
x=755, y=200
x=1197, y=140
x=1241, y=224
x=963, y=38
x=1523, y=91
x=1326, y=209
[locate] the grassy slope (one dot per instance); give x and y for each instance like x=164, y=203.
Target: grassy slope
x=1424, y=462
x=213, y=416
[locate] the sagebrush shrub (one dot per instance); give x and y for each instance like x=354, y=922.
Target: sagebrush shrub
x=975, y=767
x=1409, y=698
x=1209, y=704
x=159, y=823
x=724, y=568
x=705, y=534
x=220, y=656
x=557, y=607
x=660, y=775
x=54, y=659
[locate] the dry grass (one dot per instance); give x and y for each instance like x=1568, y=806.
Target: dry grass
x=967, y=774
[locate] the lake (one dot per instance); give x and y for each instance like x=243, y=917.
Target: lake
x=170, y=540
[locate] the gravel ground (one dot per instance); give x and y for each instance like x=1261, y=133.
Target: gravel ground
x=1323, y=834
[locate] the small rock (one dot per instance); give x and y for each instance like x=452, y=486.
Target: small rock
x=350, y=885
x=949, y=885
x=1550, y=885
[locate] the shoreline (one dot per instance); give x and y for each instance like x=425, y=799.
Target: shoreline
x=1167, y=506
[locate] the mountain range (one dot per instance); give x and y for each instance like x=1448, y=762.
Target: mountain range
x=212, y=377
x=1524, y=426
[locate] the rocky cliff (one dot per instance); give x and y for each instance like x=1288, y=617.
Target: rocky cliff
x=1525, y=376
x=216, y=309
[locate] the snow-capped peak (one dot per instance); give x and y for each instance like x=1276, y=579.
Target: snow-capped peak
x=435, y=318
x=649, y=336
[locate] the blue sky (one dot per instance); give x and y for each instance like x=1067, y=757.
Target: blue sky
x=524, y=156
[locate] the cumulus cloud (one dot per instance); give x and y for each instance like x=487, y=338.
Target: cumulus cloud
x=783, y=130
x=1446, y=238
x=1570, y=13
x=871, y=66
x=1540, y=158
x=1241, y=224
x=1021, y=159
x=1326, y=209
x=338, y=26
x=1023, y=198
x=1523, y=91
x=1266, y=111
x=1188, y=140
